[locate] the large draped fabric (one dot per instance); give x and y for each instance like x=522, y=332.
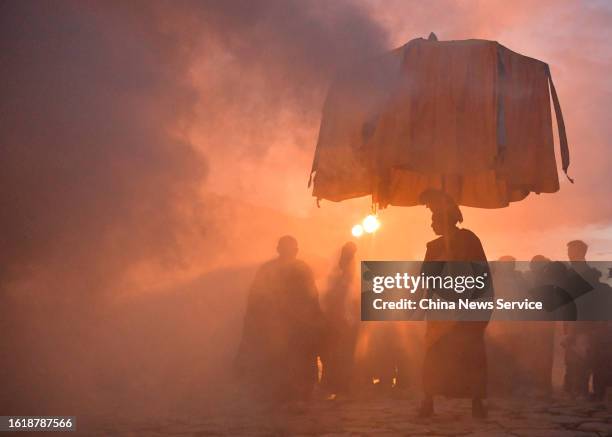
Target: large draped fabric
x=470, y=117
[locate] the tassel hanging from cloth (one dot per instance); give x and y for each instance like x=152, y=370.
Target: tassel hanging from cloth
x=563, y=146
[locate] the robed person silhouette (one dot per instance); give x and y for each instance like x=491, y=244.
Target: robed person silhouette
x=277, y=357
x=455, y=362
x=340, y=305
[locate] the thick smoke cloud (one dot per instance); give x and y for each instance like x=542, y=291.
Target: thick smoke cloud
x=94, y=168
x=286, y=51
x=144, y=145
x=110, y=116
x=263, y=74
x=98, y=167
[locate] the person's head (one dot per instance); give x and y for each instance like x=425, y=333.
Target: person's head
x=445, y=214
x=287, y=247
x=576, y=250
x=538, y=263
x=347, y=254
x=507, y=263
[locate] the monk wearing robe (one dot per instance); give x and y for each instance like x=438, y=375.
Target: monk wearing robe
x=340, y=304
x=455, y=362
x=277, y=357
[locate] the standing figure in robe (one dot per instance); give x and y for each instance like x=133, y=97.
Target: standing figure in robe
x=593, y=359
x=539, y=351
x=455, y=362
x=341, y=310
x=277, y=357
x=506, y=350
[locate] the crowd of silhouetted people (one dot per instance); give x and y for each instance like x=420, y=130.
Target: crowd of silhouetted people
x=295, y=339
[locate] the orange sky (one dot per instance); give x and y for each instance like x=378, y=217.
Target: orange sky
x=177, y=137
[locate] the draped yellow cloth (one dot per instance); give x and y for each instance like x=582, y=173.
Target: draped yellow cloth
x=470, y=117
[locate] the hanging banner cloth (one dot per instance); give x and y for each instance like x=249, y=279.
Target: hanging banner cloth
x=470, y=117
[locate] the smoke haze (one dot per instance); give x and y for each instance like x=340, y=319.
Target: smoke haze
x=151, y=153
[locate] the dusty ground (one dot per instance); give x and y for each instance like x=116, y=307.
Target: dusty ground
x=380, y=416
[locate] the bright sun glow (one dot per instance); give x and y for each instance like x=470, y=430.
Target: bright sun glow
x=371, y=224
x=357, y=231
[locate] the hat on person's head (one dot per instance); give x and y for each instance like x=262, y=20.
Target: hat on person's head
x=440, y=202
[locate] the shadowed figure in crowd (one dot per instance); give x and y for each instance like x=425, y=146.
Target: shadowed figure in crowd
x=506, y=350
x=341, y=310
x=539, y=350
x=455, y=362
x=576, y=253
x=596, y=303
x=576, y=341
x=277, y=356
x=588, y=345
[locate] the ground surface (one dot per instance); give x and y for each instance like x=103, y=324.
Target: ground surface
x=379, y=416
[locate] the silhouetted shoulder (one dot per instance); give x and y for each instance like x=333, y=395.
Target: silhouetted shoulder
x=433, y=244
x=302, y=268
x=469, y=247
x=468, y=236
x=265, y=273
x=435, y=250
x=267, y=267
